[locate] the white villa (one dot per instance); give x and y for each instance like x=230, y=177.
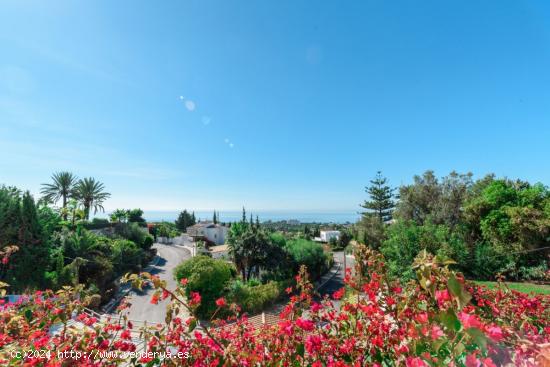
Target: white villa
x=208, y=231
x=326, y=236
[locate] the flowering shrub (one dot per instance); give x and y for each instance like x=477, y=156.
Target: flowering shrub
x=439, y=319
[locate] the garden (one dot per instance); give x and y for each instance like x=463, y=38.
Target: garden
x=52, y=247
x=263, y=267
x=439, y=318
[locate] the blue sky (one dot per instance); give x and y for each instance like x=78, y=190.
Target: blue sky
x=271, y=104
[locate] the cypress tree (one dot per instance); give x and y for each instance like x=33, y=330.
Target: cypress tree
x=31, y=260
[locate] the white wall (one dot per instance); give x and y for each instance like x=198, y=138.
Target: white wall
x=216, y=234
x=326, y=236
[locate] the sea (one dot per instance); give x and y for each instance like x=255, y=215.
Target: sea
x=340, y=217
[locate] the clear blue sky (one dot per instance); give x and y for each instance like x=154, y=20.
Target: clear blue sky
x=271, y=104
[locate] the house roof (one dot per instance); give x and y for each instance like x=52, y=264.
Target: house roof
x=203, y=225
x=220, y=248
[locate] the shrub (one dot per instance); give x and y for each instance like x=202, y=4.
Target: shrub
x=132, y=232
x=253, y=297
x=126, y=256
x=406, y=239
x=278, y=239
x=147, y=242
x=207, y=276
x=310, y=254
x=97, y=223
x=539, y=272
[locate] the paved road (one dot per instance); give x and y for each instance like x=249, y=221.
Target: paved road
x=169, y=256
x=337, y=281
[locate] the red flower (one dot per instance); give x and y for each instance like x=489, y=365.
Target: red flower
x=307, y=325
x=436, y=332
x=495, y=333
x=195, y=298
x=422, y=318
x=220, y=302
x=184, y=281
x=415, y=362
x=104, y=344
x=472, y=361
x=125, y=335
x=313, y=343
x=488, y=362
x=285, y=327
x=155, y=299
x=442, y=297
x=339, y=293
x=316, y=307
x=468, y=320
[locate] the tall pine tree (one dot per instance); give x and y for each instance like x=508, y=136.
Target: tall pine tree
x=381, y=203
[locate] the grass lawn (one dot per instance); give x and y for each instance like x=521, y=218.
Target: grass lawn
x=520, y=287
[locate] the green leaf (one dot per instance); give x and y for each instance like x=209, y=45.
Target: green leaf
x=28, y=314
x=479, y=337
x=454, y=286
x=457, y=290
x=300, y=350
x=449, y=319
x=459, y=348
x=192, y=325
x=436, y=345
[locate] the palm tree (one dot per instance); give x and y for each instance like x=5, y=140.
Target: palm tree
x=119, y=216
x=91, y=195
x=62, y=188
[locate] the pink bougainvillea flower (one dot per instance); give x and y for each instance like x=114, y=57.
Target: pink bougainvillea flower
x=469, y=320
x=488, y=362
x=415, y=362
x=495, y=333
x=422, y=318
x=339, y=293
x=304, y=324
x=472, y=361
x=442, y=297
x=313, y=343
x=195, y=299
x=436, y=332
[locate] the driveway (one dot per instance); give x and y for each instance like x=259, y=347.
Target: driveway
x=168, y=257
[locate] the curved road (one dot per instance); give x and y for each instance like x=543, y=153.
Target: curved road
x=168, y=257
x=336, y=281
